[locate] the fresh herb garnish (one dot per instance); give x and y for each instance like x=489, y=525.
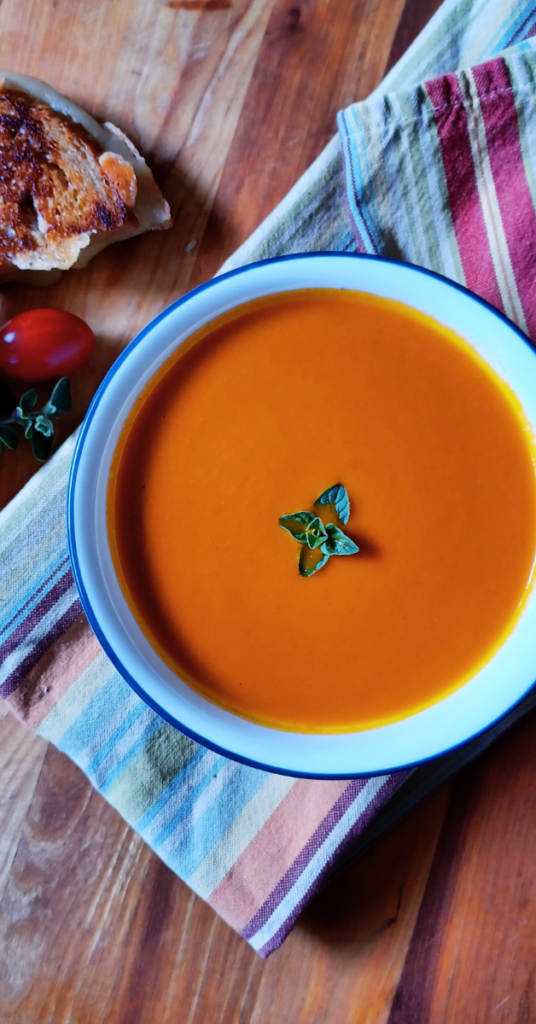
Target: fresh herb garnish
x=337, y=497
x=305, y=527
x=37, y=424
x=320, y=540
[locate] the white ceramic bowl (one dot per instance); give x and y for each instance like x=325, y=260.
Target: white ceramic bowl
x=452, y=721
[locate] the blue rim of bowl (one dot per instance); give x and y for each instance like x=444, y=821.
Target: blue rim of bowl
x=86, y=605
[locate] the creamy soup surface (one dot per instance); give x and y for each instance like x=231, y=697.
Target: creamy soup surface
x=254, y=419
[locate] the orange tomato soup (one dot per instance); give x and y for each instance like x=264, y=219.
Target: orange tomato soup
x=253, y=419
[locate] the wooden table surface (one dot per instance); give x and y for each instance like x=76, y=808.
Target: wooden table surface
x=231, y=100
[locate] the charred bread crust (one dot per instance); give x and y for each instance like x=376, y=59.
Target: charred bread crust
x=68, y=186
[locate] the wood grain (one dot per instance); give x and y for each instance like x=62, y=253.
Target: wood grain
x=475, y=932
x=231, y=100
x=94, y=927
x=21, y=758
x=315, y=59
x=414, y=17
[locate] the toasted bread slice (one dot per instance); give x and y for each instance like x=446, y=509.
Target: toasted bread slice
x=68, y=185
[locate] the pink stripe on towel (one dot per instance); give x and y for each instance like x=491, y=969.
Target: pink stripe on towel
x=506, y=160
x=264, y=862
x=466, y=210
x=54, y=674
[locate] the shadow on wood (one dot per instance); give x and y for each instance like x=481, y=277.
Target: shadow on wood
x=368, y=897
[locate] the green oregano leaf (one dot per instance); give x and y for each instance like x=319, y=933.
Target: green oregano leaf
x=36, y=423
x=44, y=425
x=320, y=540
x=311, y=560
x=60, y=399
x=337, y=497
x=297, y=524
x=315, y=533
x=27, y=403
x=338, y=543
x=8, y=436
x=41, y=446
x=305, y=527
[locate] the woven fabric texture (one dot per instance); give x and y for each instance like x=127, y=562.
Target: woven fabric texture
x=256, y=845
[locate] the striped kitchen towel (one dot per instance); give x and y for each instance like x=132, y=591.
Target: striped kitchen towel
x=444, y=175
x=257, y=845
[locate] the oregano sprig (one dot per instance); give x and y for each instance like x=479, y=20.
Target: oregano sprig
x=319, y=540
x=37, y=424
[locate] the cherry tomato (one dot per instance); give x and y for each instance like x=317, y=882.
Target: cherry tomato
x=43, y=344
